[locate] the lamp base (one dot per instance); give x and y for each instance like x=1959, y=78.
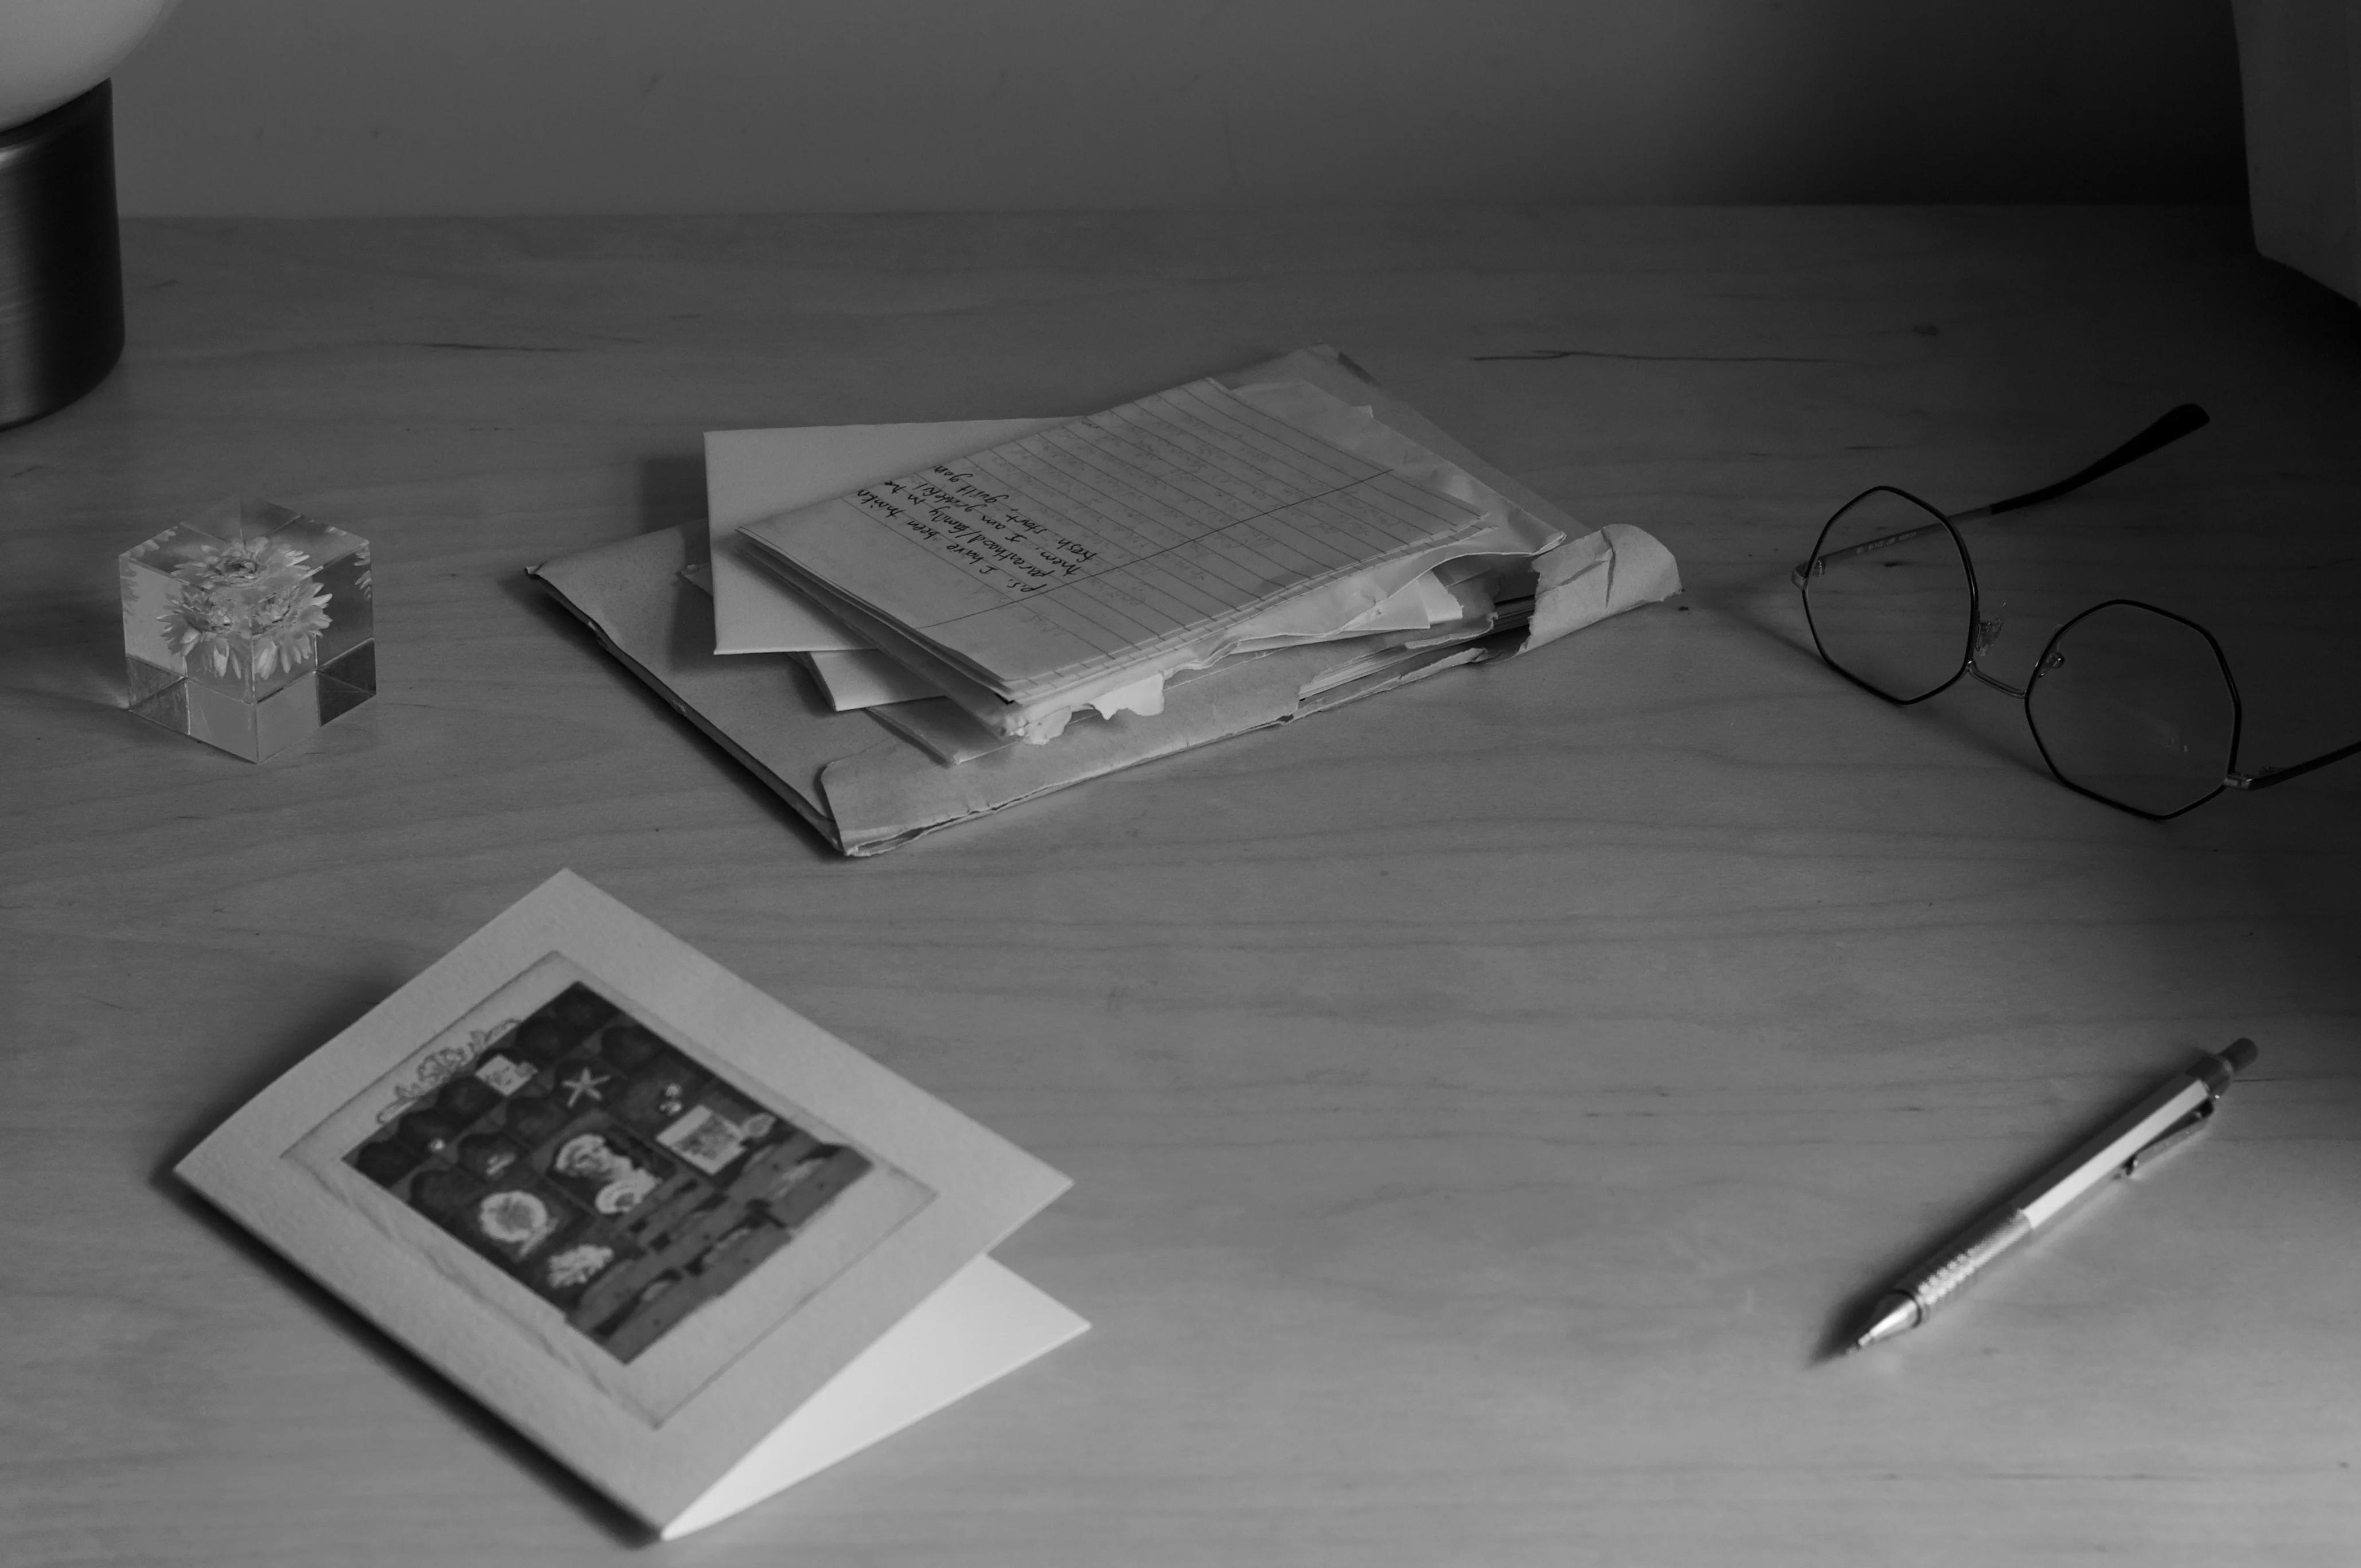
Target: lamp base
x=61, y=260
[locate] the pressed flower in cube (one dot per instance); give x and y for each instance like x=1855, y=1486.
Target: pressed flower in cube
x=248, y=627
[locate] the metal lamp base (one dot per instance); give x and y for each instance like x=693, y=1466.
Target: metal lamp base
x=60, y=261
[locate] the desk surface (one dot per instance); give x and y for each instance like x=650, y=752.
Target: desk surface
x=1482, y=1100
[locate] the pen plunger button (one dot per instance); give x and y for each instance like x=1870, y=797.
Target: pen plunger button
x=2215, y=1071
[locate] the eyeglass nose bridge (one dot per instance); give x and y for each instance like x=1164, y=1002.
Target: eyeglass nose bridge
x=2052, y=659
x=1979, y=672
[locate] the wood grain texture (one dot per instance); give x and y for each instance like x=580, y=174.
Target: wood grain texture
x=1483, y=1101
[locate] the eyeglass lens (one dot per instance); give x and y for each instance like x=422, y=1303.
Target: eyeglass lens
x=2135, y=706
x=1889, y=598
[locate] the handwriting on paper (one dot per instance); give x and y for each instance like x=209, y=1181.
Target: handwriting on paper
x=950, y=509
x=1160, y=516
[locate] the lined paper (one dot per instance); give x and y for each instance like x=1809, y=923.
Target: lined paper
x=1191, y=501
x=1084, y=550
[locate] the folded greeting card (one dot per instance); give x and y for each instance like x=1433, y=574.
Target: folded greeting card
x=691, y=1244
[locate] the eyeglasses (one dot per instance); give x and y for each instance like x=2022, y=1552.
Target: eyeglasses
x=2130, y=704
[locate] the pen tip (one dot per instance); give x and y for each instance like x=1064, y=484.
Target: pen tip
x=2241, y=1054
x=1893, y=1312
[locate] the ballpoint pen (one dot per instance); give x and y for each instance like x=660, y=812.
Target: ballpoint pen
x=2175, y=1108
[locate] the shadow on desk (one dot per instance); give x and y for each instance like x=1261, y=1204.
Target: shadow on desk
x=68, y=649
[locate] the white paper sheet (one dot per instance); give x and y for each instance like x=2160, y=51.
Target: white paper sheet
x=983, y=1325
x=1415, y=607
x=863, y=677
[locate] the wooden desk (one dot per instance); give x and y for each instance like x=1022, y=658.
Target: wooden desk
x=1482, y=1100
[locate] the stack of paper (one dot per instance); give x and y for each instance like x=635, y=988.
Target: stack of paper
x=1236, y=553
x=1080, y=566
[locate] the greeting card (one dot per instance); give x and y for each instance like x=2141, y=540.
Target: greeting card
x=685, y=1240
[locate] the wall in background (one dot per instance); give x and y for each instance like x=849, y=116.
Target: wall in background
x=360, y=106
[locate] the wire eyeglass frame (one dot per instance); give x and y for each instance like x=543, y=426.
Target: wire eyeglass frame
x=2179, y=421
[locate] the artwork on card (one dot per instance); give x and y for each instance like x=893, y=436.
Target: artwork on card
x=642, y=1210
x=595, y=1163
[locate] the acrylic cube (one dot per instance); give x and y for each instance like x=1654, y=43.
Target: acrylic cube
x=248, y=627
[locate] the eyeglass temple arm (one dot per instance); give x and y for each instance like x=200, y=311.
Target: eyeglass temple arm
x=2171, y=427
x=2175, y=424
x=2269, y=776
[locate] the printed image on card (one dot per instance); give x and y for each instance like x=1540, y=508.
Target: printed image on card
x=595, y=1163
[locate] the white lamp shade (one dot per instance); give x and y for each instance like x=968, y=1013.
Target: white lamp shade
x=2302, y=63
x=52, y=51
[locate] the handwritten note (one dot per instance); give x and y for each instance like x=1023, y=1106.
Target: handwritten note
x=1081, y=551
x=1190, y=494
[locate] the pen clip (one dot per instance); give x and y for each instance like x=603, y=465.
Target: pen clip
x=2171, y=1138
